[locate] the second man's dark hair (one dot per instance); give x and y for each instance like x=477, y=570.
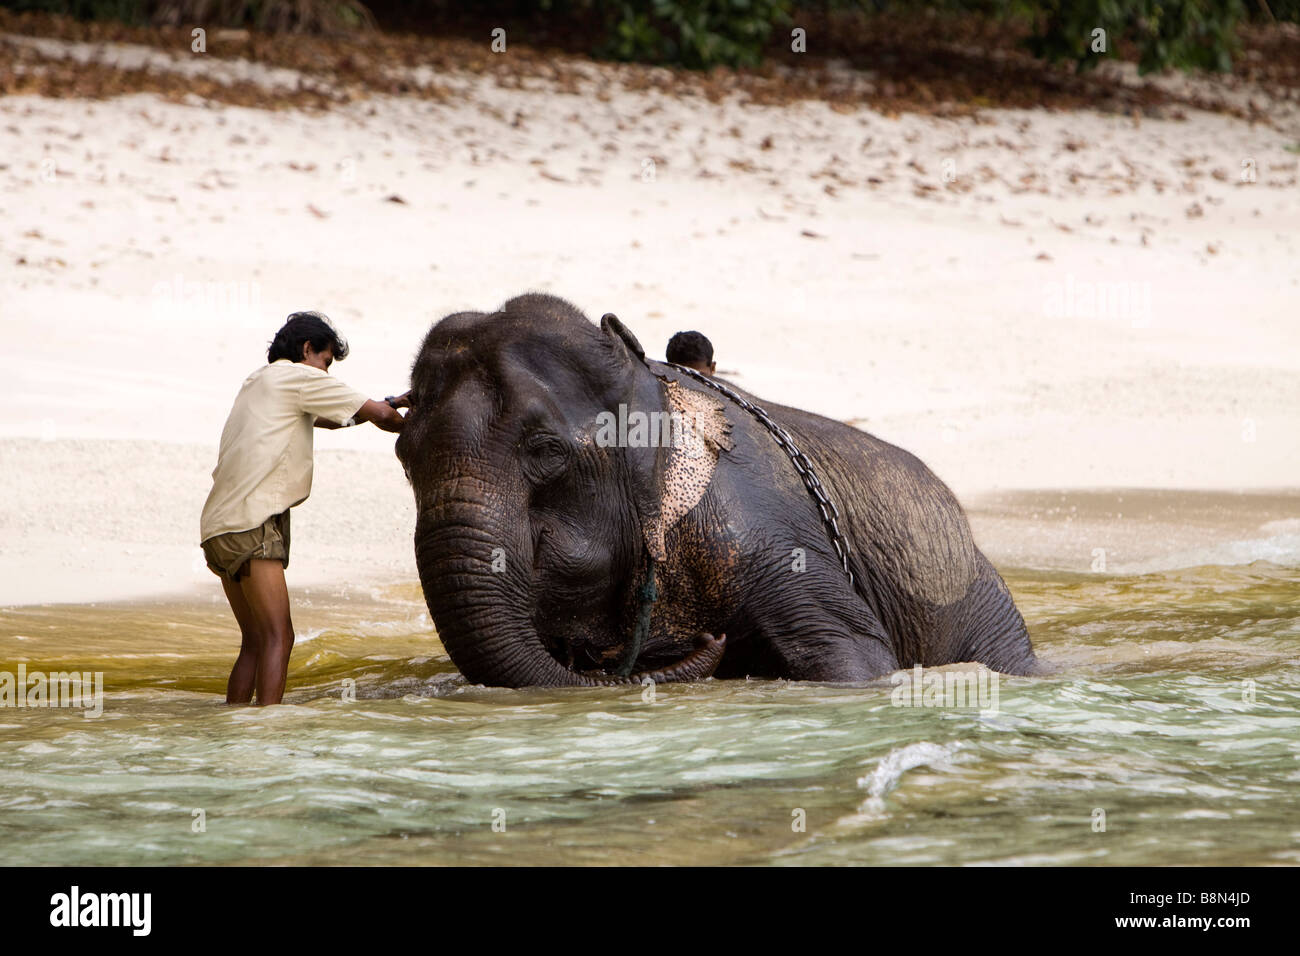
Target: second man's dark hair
x=687, y=347
x=306, y=327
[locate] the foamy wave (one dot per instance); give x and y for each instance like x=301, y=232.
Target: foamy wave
x=891, y=768
x=1281, y=547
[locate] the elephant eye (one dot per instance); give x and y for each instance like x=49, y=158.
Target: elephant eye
x=544, y=456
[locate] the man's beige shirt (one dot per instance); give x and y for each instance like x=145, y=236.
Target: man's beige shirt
x=265, y=461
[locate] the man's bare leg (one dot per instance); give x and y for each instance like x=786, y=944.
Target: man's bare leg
x=239, y=689
x=268, y=602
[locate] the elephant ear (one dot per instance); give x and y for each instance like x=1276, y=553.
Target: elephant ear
x=639, y=391
x=610, y=325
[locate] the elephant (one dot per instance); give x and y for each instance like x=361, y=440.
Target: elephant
x=563, y=541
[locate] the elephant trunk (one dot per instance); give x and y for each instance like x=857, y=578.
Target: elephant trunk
x=476, y=587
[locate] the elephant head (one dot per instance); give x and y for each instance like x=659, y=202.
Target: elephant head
x=533, y=538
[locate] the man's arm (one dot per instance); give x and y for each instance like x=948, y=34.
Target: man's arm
x=381, y=414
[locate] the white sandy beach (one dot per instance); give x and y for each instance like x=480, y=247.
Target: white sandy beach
x=1078, y=300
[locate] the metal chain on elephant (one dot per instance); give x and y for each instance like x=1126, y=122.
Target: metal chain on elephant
x=830, y=514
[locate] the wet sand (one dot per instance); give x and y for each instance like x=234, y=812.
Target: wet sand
x=71, y=534
x=1136, y=530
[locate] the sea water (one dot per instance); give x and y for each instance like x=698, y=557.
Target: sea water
x=1167, y=732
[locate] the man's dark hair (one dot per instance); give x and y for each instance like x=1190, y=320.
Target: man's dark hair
x=686, y=348
x=306, y=327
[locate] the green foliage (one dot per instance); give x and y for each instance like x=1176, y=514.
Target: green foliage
x=1187, y=34
x=701, y=34
x=124, y=11
x=1281, y=9
x=694, y=33
x=275, y=16
x=307, y=16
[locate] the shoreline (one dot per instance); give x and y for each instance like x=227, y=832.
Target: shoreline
x=107, y=549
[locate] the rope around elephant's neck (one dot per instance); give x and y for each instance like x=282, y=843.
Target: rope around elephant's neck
x=829, y=513
x=647, y=595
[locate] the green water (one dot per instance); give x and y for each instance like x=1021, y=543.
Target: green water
x=1149, y=719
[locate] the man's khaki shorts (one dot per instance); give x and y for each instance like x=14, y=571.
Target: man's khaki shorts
x=228, y=554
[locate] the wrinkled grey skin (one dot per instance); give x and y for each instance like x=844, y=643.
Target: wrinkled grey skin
x=533, y=541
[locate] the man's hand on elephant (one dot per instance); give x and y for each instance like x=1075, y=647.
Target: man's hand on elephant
x=399, y=401
x=382, y=414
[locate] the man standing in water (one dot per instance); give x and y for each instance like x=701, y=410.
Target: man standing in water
x=263, y=469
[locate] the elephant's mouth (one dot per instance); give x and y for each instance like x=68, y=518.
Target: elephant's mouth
x=589, y=662
x=485, y=623
x=697, y=665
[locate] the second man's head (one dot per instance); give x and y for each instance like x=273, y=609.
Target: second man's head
x=692, y=350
